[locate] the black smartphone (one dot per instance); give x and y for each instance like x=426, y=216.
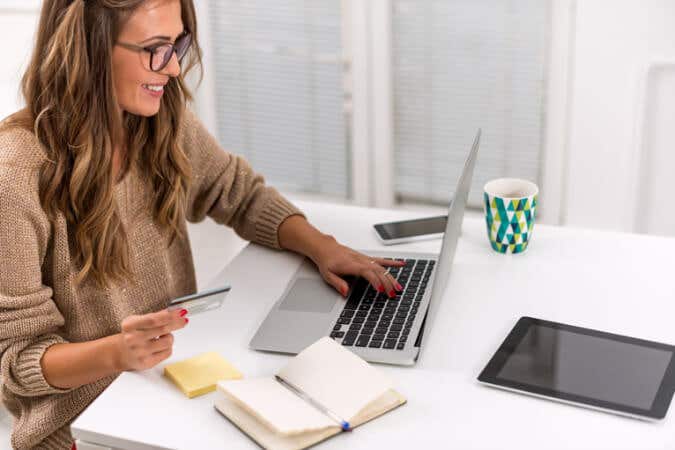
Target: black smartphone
x=411, y=230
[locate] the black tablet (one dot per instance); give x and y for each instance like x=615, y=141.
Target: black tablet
x=589, y=368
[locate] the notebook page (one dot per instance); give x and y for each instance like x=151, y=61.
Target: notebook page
x=335, y=377
x=275, y=405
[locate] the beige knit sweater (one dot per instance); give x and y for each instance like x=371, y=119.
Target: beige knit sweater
x=39, y=303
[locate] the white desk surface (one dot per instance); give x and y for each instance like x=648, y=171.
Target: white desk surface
x=613, y=282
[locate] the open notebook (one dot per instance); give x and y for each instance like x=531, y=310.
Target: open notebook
x=304, y=403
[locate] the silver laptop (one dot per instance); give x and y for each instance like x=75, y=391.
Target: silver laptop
x=368, y=323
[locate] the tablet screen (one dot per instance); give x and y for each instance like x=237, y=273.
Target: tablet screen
x=586, y=366
x=590, y=366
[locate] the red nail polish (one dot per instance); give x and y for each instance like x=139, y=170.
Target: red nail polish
x=380, y=288
x=399, y=287
x=392, y=293
x=186, y=320
x=344, y=291
x=183, y=312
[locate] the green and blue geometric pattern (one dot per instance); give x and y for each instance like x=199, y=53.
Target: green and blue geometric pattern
x=509, y=222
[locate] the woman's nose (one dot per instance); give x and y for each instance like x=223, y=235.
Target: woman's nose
x=172, y=69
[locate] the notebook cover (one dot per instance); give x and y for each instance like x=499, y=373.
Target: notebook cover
x=248, y=422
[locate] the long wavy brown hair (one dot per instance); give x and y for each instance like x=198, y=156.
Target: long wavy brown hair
x=71, y=107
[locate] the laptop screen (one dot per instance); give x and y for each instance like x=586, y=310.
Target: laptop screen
x=451, y=236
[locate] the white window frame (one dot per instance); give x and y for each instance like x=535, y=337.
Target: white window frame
x=374, y=111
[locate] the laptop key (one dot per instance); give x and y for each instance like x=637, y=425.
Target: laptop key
x=337, y=327
x=337, y=334
x=378, y=336
x=375, y=344
x=396, y=327
x=362, y=341
x=352, y=303
x=400, y=346
x=358, y=320
x=348, y=313
x=390, y=343
x=367, y=331
x=344, y=321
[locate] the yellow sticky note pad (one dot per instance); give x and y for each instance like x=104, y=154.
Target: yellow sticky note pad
x=198, y=375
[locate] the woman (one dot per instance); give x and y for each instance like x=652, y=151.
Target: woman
x=98, y=175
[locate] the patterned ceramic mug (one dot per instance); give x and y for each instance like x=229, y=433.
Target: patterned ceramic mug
x=510, y=205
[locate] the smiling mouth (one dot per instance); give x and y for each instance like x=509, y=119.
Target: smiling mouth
x=154, y=87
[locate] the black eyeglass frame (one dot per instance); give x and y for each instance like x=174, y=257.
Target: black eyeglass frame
x=175, y=47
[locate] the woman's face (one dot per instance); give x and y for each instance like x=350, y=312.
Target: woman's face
x=155, y=21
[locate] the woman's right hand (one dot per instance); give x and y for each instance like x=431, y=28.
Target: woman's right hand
x=146, y=340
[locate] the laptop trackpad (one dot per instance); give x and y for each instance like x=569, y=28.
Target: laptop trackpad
x=310, y=295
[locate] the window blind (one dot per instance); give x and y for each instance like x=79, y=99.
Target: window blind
x=459, y=65
x=279, y=90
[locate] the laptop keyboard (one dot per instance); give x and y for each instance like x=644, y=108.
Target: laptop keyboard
x=372, y=319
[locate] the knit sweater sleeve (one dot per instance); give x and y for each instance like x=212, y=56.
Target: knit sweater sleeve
x=29, y=318
x=225, y=188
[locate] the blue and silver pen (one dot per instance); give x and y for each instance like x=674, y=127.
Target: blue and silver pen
x=343, y=423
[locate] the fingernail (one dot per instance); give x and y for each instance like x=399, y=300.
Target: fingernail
x=399, y=287
x=344, y=291
x=380, y=288
x=392, y=293
x=186, y=320
x=183, y=312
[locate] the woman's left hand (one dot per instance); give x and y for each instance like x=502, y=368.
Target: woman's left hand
x=335, y=260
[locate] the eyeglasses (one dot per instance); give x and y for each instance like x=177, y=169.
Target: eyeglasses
x=160, y=54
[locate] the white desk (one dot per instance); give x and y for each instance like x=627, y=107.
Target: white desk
x=609, y=281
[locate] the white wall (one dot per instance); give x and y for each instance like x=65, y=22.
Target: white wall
x=18, y=20
x=615, y=41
